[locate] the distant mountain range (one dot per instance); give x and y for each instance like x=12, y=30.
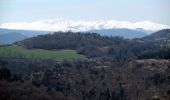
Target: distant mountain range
x=126, y=33
x=11, y=32
x=8, y=36
x=11, y=37
x=82, y=25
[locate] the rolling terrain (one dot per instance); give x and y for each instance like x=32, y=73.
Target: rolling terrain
x=9, y=36
x=114, y=68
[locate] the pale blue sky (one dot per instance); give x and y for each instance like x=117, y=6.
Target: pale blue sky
x=122, y=10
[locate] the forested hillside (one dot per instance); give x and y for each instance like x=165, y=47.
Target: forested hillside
x=162, y=34
x=92, y=45
x=115, y=68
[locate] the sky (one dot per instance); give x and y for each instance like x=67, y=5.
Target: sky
x=121, y=10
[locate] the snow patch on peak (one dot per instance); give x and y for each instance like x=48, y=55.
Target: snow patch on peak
x=82, y=25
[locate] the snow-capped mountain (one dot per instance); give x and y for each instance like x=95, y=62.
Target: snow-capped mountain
x=82, y=25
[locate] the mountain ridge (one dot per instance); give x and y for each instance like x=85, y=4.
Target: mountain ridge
x=161, y=35
x=123, y=32
x=8, y=36
x=82, y=25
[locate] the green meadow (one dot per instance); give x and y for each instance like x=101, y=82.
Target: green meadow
x=15, y=51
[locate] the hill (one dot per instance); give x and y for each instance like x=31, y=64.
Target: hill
x=92, y=45
x=89, y=43
x=125, y=33
x=11, y=37
x=8, y=36
x=116, y=68
x=159, y=35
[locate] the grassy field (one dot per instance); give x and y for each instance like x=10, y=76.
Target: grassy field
x=15, y=51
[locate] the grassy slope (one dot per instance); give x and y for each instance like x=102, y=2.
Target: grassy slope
x=17, y=51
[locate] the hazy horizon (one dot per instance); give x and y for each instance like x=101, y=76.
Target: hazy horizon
x=131, y=11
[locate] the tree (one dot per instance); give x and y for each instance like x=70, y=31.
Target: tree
x=5, y=74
